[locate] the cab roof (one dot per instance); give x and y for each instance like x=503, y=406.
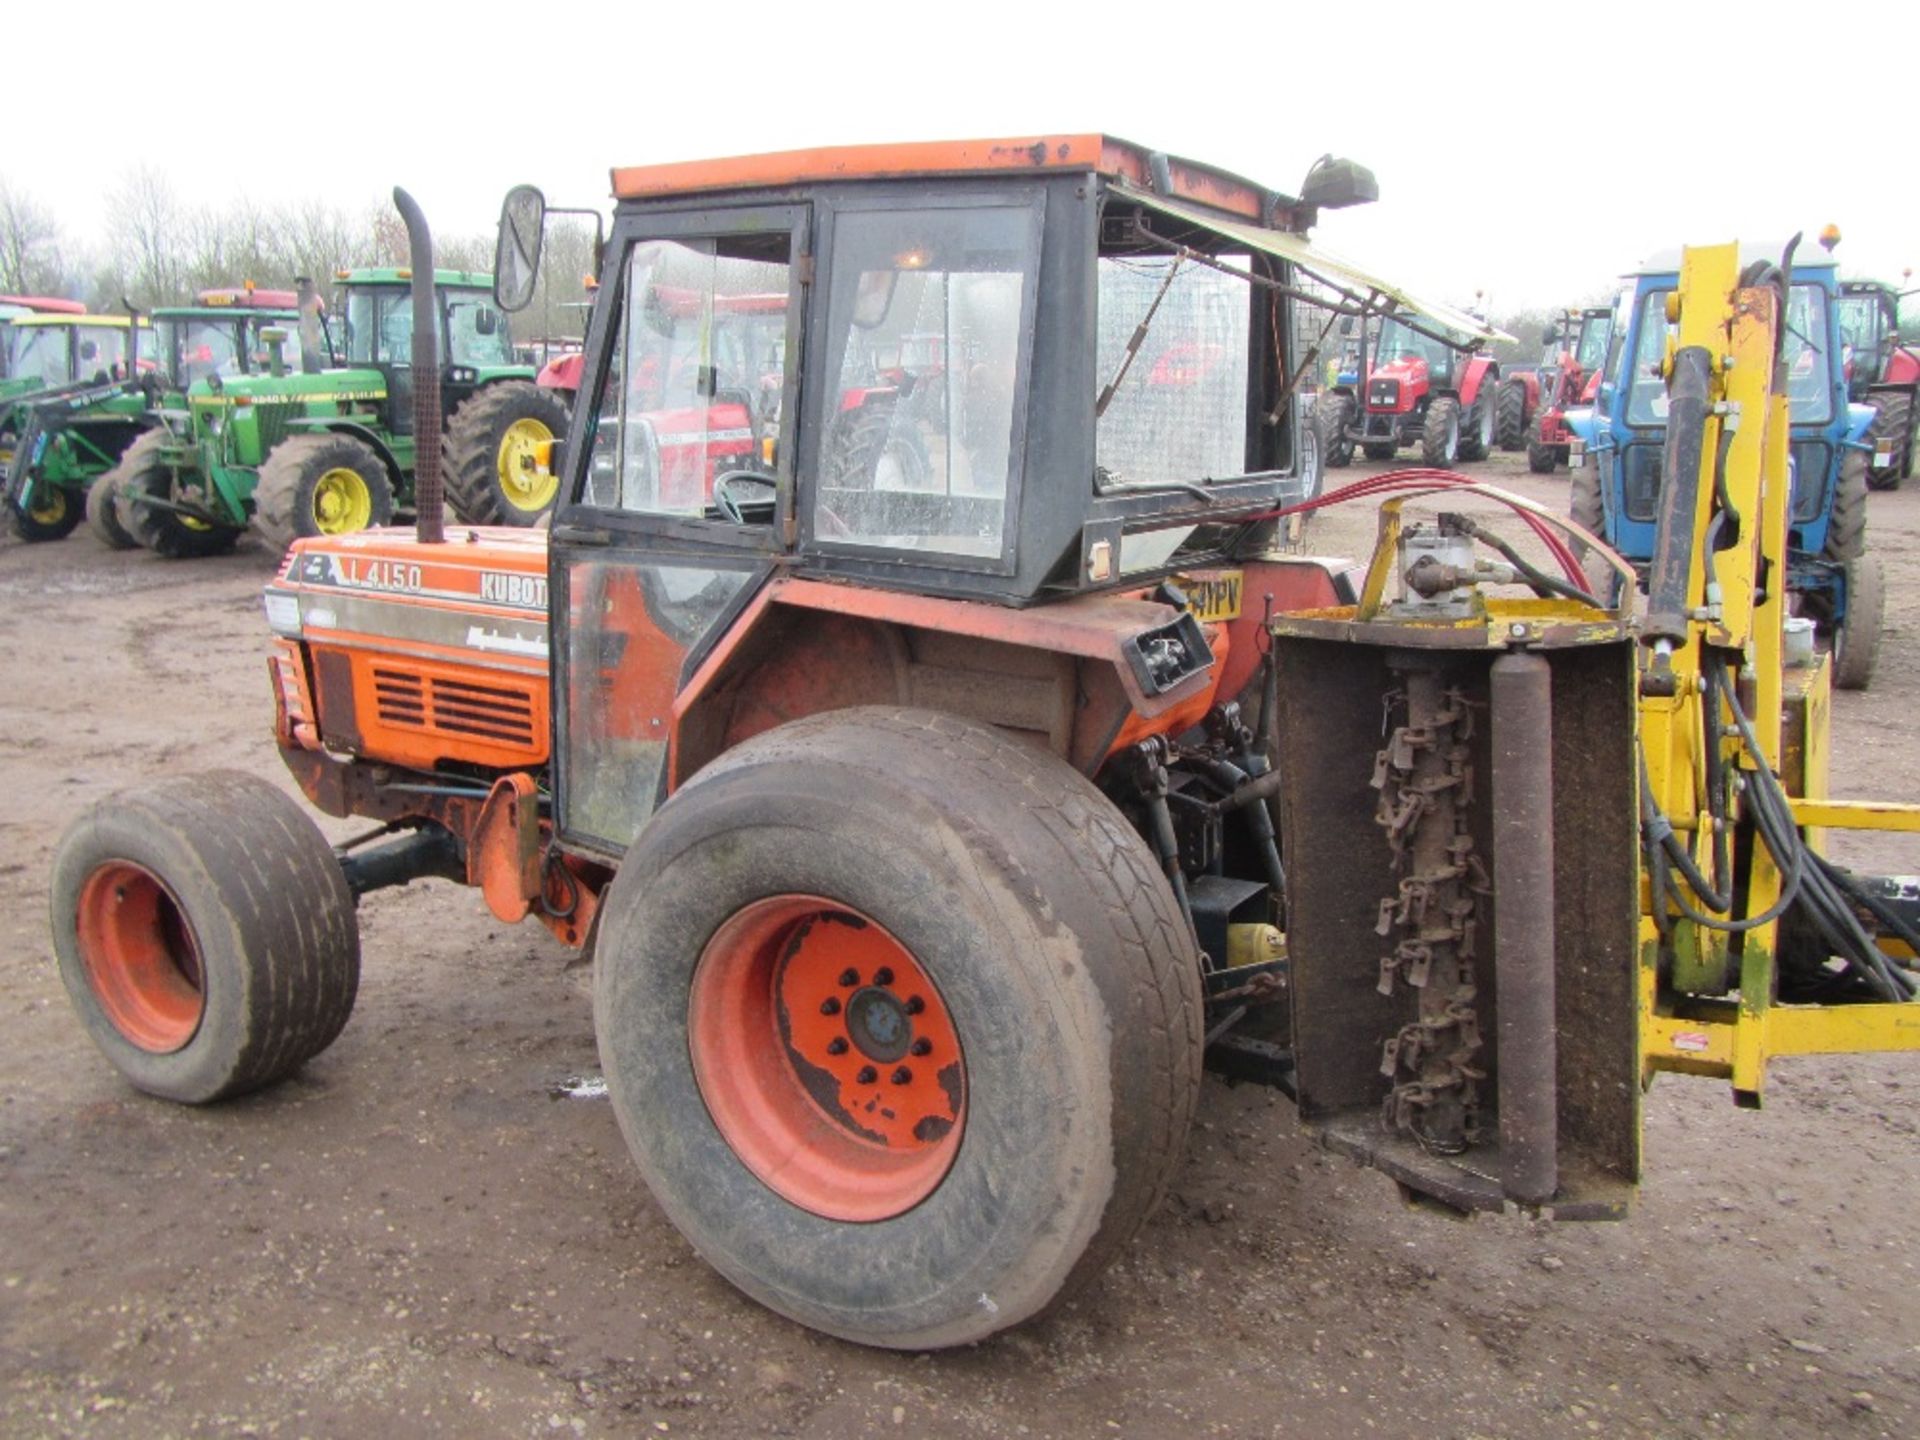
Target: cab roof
x=46, y=304
x=403, y=275
x=1809, y=256
x=223, y=312
x=1188, y=180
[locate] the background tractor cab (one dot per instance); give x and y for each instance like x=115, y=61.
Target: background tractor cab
x=1881, y=372
x=46, y=350
x=1620, y=441
x=475, y=342
x=1578, y=346
x=220, y=334
x=14, y=307
x=1424, y=383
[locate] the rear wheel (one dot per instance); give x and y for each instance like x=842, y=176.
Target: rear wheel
x=320, y=485
x=903, y=1114
x=1586, y=510
x=206, y=935
x=1856, y=640
x=1510, y=415
x=1440, y=435
x=141, y=477
x=1332, y=414
x=1892, y=421
x=1847, y=526
x=1476, y=437
x=492, y=473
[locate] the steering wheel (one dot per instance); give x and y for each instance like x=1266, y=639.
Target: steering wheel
x=724, y=500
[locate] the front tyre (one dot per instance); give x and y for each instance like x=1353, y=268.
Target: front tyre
x=493, y=474
x=1856, y=640
x=906, y=1114
x=1332, y=415
x=1476, y=439
x=205, y=934
x=1440, y=434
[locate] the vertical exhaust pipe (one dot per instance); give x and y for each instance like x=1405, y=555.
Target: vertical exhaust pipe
x=306, y=300
x=429, y=497
x=1523, y=922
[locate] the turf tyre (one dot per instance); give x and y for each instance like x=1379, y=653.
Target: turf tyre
x=1056, y=945
x=257, y=889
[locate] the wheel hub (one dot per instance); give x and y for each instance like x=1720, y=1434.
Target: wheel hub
x=141, y=957
x=522, y=482
x=878, y=1024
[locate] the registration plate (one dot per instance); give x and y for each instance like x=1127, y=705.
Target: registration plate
x=1215, y=596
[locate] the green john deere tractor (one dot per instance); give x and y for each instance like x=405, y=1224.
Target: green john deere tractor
x=225, y=333
x=77, y=395
x=331, y=450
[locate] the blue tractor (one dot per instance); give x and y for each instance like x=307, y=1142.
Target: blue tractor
x=1619, y=442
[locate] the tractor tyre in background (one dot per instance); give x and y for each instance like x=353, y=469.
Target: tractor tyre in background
x=1542, y=458
x=1856, y=640
x=1332, y=414
x=141, y=474
x=53, y=514
x=1585, y=509
x=103, y=515
x=1892, y=418
x=906, y=1115
x=1847, y=526
x=874, y=449
x=320, y=485
x=1510, y=415
x=1440, y=435
x=205, y=933
x=490, y=474
x=1477, y=427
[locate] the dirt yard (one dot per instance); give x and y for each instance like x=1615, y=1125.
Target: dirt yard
x=426, y=1234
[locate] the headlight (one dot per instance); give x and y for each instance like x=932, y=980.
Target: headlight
x=283, y=614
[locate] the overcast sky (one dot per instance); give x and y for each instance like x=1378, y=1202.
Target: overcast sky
x=1532, y=151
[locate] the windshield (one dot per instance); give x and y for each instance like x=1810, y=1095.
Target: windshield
x=478, y=331
x=1803, y=350
x=1592, y=349
x=40, y=353
x=1400, y=342
x=200, y=348
x=1177, y=412
x=1860, y=322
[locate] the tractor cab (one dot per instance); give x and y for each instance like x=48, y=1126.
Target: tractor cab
x=46, y=351
x=1869, y=331
x=475, y=343
x=220, y=335
x=15, y=307
x=1625, y=439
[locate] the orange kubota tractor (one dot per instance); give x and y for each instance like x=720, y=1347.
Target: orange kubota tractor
x=921, y=818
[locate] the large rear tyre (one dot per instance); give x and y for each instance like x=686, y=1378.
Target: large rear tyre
x=320, y=485
x=1893, y=421
x=1440, y=435
x=492, y=474
x=1847, y=526
x=1332, y=414
x=1476, y=434
x=142, y=476
x=206, y=935
x=1510, y=415
x=1856, y=640
x=775, y=976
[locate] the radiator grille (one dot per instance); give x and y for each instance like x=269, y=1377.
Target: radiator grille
x=502, y=713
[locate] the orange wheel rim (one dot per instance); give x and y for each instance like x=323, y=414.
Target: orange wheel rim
x=827, y=1058
x=141, y=959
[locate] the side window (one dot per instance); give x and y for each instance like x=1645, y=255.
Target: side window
x=477, y=332
x=927, y=316
x=693, y=390
x=395, y=346
x=1647, y=392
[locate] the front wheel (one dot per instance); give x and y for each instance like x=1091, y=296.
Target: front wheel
x=1332, y=415
x=206, y=935
x=908, y=1115
x=1476, y=438
x=1440, y=434
x=51, y=514
x=1510, y=415
x=141, y=492
x=1856, y=640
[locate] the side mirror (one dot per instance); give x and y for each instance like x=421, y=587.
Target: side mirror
x=1548, y=336
x=1335, y=184
x=516, y=251
x=486, y=322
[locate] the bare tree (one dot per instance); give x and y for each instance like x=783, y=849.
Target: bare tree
x=30, y=245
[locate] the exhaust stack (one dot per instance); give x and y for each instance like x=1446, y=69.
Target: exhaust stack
x=429, y=497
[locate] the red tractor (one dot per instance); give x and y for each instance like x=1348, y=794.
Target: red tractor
x=1425, y=389
x=1571, y=379
x=1880, y=372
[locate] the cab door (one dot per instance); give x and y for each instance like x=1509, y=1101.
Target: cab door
x=679, y=494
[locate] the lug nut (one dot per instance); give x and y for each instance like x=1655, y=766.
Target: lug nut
x=915, y=1005
x=883, y=976
x=837, y=1045
x=902, y=1076
x=867, y=1075
x=923, y=1046
x=829, y=1006
x=849, y=977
